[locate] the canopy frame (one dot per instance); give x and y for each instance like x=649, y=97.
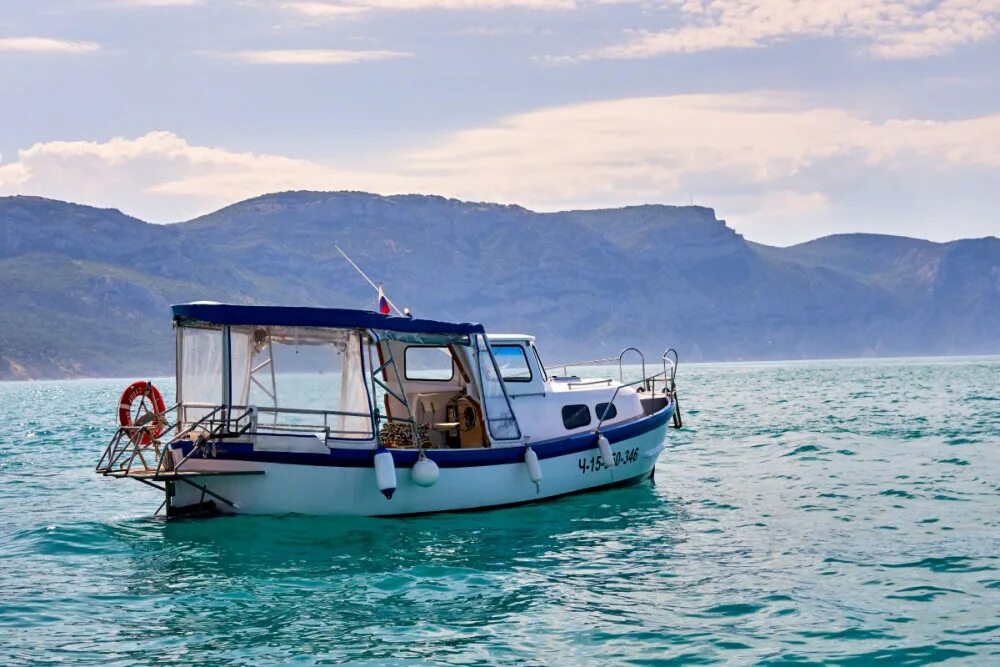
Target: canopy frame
x=223, y=318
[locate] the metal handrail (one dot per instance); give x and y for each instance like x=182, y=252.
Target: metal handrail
x=605, y=360
x=621, y=370
x=214, y=433
x=275, y=425
x=666, y=359
x=113, y=454
x=670, y=385
x=590, y=362
x=615, y=395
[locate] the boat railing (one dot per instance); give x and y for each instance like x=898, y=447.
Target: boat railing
x=574, y=364
x=130, y=445
x=218, y=428
x=321, y=424
x=670, y=360
x=642, y=381
x=604, y=361
x=667, y=377
x=143, y=447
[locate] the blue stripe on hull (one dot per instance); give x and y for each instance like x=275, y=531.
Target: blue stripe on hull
x=445, y=458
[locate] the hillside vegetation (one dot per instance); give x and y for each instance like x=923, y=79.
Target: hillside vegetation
x=88, y=290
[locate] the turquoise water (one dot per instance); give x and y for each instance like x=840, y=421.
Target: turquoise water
x=840, y=512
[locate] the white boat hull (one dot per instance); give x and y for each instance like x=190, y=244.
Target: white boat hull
x=289, y=488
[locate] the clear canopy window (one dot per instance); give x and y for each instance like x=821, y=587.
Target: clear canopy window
x=297, y=377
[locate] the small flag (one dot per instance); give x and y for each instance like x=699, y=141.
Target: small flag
x=383, y=303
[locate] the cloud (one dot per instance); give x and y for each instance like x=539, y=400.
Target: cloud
x=661, y=148
x=758, y=153
x=45, y=45
x=313, y=56
x=888, y=28
x=325, y=10
x=162, y=176
x=315, y=9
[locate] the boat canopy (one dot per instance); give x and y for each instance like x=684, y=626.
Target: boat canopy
x=231, y=355
x=302, y=316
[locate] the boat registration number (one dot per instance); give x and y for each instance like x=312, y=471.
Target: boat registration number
x=596, y=463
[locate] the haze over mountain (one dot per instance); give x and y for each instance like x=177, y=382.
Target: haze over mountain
x=88, y=290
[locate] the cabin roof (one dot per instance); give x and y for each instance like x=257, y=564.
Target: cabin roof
x=303, y=316
x=509, y=337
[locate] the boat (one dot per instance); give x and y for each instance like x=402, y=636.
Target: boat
x=307, y=410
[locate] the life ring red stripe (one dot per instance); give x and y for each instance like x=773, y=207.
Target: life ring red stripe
x=141, y=389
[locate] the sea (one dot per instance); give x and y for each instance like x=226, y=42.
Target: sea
x=841, y=512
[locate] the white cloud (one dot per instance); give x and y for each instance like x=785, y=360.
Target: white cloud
x=325, y=10
x=889, y=28
x=45, y=45
x=661, y=148
x=161, y=175
x=759, y=154
x=313, y=56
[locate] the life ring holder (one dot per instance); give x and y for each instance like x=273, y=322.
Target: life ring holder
x=145, y=422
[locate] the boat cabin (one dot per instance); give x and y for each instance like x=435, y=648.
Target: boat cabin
x=310, y=379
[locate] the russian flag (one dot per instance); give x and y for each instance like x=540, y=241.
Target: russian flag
x=383, y=303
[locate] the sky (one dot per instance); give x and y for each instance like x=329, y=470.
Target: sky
x=793, y=119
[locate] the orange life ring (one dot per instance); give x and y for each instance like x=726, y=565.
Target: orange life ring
x=149, y=416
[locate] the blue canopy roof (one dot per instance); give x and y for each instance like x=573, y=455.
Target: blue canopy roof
x=300, y=316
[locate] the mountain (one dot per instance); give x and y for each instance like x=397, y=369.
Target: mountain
x=88, y=290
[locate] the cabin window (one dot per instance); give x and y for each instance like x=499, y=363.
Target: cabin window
x=606, y=411
x=513, y=363
x=575, y=416
x=433, y=363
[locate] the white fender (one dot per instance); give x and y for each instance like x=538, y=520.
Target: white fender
x=605, y=447
x=385, y=472
x=534, y=470
x=424, y=472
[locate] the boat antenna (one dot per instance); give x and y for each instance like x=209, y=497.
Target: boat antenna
x=374, y=286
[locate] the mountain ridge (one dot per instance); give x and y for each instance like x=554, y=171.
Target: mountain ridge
x=90, y=288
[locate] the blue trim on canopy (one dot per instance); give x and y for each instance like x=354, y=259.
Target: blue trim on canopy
x=302, y=316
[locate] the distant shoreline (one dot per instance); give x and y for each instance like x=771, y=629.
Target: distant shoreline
x=744, y=362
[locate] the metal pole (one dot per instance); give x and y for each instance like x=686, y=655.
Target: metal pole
x=374, y=286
